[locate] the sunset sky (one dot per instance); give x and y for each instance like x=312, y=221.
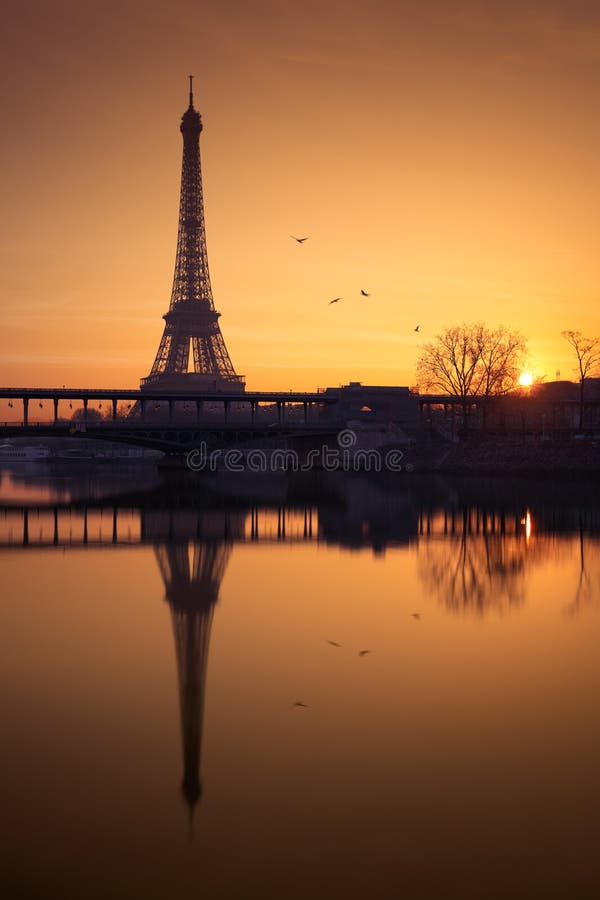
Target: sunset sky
x=443, y=156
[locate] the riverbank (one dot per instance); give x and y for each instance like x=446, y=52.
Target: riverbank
x=506, y=455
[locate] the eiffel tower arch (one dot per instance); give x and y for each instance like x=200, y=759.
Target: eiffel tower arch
x=192, y=355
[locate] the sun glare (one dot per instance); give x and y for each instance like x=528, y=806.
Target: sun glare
x=526, y=379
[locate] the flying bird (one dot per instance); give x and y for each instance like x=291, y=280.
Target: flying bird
x=334, y=643
x=417, y=328
x=364, y=293
x=416, y=616
x=337, y=300
x=300, y=703
x=299, y=240
x=363, y=652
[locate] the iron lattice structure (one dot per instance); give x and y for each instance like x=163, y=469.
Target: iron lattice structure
x=192, y=577
x=192, y=321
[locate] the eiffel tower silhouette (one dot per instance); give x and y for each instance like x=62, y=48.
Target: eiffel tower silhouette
x=192, y=320
x=192, y=574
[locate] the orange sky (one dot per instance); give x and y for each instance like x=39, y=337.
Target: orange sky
x=442, y=156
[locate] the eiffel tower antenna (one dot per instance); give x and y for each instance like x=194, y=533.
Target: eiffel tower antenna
x=191, y=324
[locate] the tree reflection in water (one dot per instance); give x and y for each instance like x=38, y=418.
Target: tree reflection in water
x=481, y=564
x=588, y=581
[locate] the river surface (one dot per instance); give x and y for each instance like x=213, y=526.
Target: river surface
x=189, y=708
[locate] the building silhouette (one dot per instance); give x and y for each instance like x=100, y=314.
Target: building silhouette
x=192, y=337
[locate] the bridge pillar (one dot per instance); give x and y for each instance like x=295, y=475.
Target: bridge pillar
x=143, y=405
x=305, y=407
x=252, y=411
x=171, y=404
x=226, y=410
x=55, y=400
x=114, y=409
x=199, y=408
x=25, y=410
x=279, y=412
x=85, y=410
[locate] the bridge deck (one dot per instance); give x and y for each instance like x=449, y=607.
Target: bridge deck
x=12, y=393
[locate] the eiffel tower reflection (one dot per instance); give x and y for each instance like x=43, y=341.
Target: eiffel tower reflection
x=192, y=572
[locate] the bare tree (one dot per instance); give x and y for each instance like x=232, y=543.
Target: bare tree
x=587, y=351
x=472, y=361
x=91, y=417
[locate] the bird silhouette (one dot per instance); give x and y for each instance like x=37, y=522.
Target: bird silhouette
x=364, y=293
x=363, y=652
x=417, y=328
x=336, y=300
x=416, y=616
x=299, y=240
x=300, y=703
x=334, y=643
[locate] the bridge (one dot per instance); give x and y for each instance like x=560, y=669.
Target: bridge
x=172, y=422
x=62, y=525
x=175, y=421
x=110, y=523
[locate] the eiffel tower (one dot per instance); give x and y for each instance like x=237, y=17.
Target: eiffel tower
x=192, y=320
x=192, y=577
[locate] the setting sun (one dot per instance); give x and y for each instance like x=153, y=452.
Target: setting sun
x=526, y=379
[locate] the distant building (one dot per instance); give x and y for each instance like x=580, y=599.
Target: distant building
x=591, y=389
x=555, y=390
x=374, y=404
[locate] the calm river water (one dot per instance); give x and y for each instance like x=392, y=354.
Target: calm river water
x=189, y=708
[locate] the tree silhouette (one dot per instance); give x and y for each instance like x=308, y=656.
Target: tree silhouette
x=92, y=417
x=472, y=361
x=587, y=351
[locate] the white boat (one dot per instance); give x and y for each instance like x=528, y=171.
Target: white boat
x=101, y=453
x=23, y=452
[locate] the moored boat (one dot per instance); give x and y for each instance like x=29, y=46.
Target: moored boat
x=11, y=453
